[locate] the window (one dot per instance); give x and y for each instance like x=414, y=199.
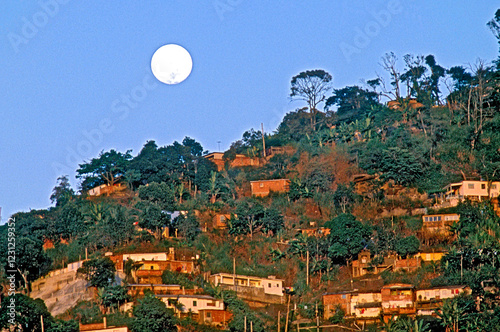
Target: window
x=269, y=285
x=195, y=303
x=470, y=186
x=344, y=296
x=483, y=186
x=152, y=267
x=209, y=315
x=261, y=185
x=493, y=186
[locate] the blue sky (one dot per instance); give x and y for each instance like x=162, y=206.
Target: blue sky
x=70, y=71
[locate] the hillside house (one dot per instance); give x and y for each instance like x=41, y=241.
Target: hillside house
x=214, y=317
x=102, y=327
x=430, y=256
x=220, y=221
x=398, y=299
x=363, y=265
x=240, y=160
x=316, y=232
x=257, y=289
x=473, y=190
x=366, y=306
x=184, y=304
x=438, y=223
x=332, y=300
x=136, y=290
x=274, y=150
x=263, y=188
x=107, y=190
x=430, y=299
x=151, y=271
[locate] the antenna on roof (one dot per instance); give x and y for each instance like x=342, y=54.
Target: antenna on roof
x=218, y=144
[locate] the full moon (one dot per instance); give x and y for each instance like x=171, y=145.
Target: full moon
x=171, y=64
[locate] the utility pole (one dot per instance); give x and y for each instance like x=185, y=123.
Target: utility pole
x=245, y=323
x=263, y=139
x=279, y=318
x=234, y=273
x=307, y=269
x=287, y=313
x=317, y=318
x=41, y=320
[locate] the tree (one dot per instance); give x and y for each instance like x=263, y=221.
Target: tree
x=343, y=197
x=31, y=260
x=247, y=218
x=352, y=98
x=188, y=226
x=272, y=221
x=347, y=237
x=112, y=296
x=62, y=192
x=160, y=194
x=152, y=217
x=99, y=272
x=407, y=246
x=108, y=168
x=152, y=315
x=494, y=25
x=455, y=312
x=26, y=316
x=311, y=86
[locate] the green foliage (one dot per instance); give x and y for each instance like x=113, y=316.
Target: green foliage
x=347, y=237
x=343, y=197
x=105, y=169
x=113, y=296
x=31, y=260
x=161, y=194
x=99, y=272
x=86, y=312
x=26, y=316
x=177, y=278
x=338, y=315
x=407, y=246
x=152, y=315
x=62, y=192
x=188, y=226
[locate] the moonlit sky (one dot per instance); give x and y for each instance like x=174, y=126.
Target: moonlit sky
x=74, y=74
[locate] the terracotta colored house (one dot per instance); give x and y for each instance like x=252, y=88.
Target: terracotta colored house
x=398, y=299
x=151, y=271
x=263, y=188
x=317, y=232
x=239, y=161
x=214, y=317
x=332, y=300
x=219, y=221
x=102, y=327
x=363, y=265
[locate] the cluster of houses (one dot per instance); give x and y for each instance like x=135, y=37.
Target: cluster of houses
x=366, y=306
